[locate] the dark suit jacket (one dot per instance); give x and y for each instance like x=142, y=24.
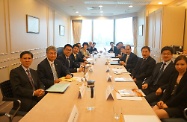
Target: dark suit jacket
x=164, y=78
x=114, y=51
x=179, y=99
x=22, y=88
x=131, y=62
x=143, y=70
x=73, y=65
x=45, y=72
x=78, y=59
x=92, y=49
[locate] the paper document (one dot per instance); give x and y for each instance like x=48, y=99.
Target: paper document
x=131, y=93
x=119, y=97
x=114, y=59
x=141, y=118
x=123, y=79
x=58, y=87
x=119, y=70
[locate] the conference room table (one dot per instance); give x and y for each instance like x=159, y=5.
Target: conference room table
x=57, y=107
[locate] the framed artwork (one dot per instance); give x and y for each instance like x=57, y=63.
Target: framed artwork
x=140, y=30
x=61, y=30
x=32, y=24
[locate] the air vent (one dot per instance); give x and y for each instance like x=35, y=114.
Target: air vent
x=93, y=8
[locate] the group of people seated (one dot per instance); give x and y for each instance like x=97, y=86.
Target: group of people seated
x=164, y=83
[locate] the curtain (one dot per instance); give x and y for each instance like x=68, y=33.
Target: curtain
x=76, y=27
x=134, y=29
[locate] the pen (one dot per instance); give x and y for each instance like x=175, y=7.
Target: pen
x=116, y=90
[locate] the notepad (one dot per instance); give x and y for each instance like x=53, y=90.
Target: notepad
x=58, y=87
x=114, y=63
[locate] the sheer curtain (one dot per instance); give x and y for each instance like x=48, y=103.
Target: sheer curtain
x=134, y=28
x=77, y=27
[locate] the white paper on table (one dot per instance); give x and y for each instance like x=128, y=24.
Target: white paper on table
x=121, y=70
x=123, y=79
x=89, y=59
x=118, y=96
x=141, y=118
x=114, y=59
x=110, y=54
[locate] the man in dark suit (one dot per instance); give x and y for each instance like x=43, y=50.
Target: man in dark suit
x=93, y=49
x=25, y=83
x=67, y=61
x=113, y=49
x=50, y=69
x=154, y=86
x=75, y=56
x=129, y=59
x=79, y=53
x=144, y=67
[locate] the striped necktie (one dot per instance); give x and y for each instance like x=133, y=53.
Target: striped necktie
x=30, y=78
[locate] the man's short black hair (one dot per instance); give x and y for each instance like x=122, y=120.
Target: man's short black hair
x=75, y=45
x=68, y=45
x=85, y=43
x=26, y=52
x=94, y=43
x=167, y=48
x=123, y=47
x=128, y=46
x=146, y=47
x=111, y=42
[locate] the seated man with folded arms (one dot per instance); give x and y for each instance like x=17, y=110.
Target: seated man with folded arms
x=129, y=59
x=50, y=69
x=25, y=83
x=144, y=67
x=67, y=60
x=154, y=86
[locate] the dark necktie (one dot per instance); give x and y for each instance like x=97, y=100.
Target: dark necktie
x=143, y=62
x=30, y=79
x=159, y=73
x=68, y=61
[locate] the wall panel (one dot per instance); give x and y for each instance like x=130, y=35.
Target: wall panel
x=20, y=40
x=3, y=45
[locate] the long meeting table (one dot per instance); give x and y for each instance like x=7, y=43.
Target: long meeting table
x=56, y=107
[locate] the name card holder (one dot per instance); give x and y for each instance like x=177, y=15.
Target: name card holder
x=109, y=94
x=74, y=114
x=81, y=91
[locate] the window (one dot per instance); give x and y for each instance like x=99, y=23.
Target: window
x=103, y=33
x=123, y=31
x=86, y=33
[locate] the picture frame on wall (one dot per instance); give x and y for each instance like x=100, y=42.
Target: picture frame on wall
x=32, y=24
x=61, y=30
x=140, y=30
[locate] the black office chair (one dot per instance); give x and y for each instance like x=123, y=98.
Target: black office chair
x=7, y=94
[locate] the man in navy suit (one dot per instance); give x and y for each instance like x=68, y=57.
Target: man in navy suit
x=113, y=49
x=154, y=86
x=25, y=83
x=67, y=60
x=129, y=59
x=75, y=56
x=50, y=69
x=144, y=67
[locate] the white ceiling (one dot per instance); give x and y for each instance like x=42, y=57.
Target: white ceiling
x=110, y=7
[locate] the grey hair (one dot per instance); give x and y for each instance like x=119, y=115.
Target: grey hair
x=51, y=48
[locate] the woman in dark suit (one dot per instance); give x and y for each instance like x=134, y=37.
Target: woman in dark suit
x=174, y=99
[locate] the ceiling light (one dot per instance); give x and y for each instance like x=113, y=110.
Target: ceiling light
x=101, y=11
x=130, y=6
x=100, y=6
x=77, y=12
x=79, y=15
x=159, y=3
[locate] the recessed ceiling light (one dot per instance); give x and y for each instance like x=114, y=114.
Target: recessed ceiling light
x=101, y=11
x=77, y=12
x=79, y=15
x=100, y=6
x=159, y=3
x=130, y=6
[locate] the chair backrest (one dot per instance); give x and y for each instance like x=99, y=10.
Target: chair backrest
x=6, y=89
